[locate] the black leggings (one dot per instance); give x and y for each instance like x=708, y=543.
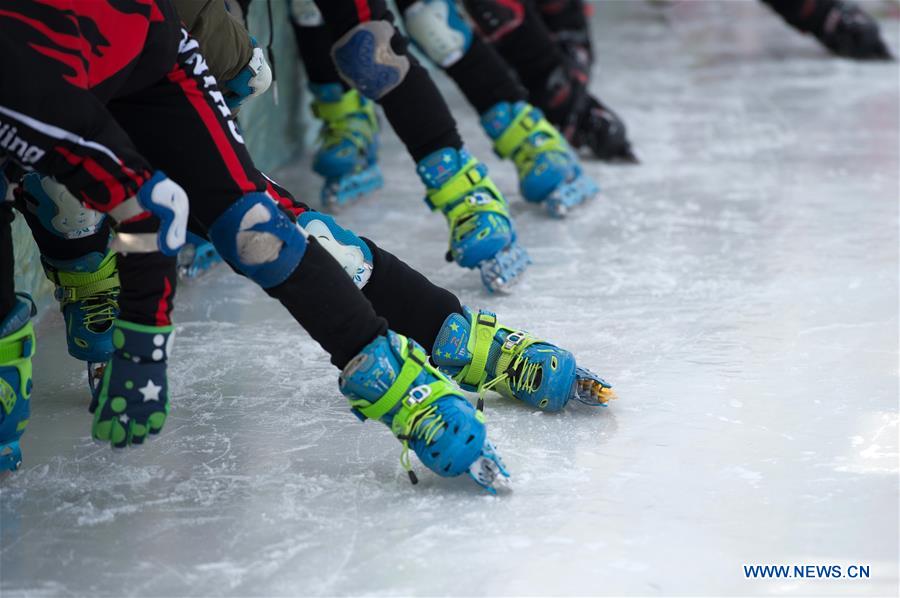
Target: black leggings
x=415, y=108
x=176, y=124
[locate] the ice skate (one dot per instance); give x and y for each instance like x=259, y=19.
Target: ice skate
x=87, y=289
x=847, y=30
x=583, y=119
x=481, y=355
x=391, y=381
x=17, y=344
x=549, y=172
x=481, y=232
x=348, y=144
x=197, y=256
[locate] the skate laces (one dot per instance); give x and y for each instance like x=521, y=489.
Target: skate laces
x=98, y=293
x=424, y=425
x=354, y=128
x=100, y=309
x=523, y=374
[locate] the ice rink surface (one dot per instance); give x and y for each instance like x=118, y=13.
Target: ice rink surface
x=739, y=288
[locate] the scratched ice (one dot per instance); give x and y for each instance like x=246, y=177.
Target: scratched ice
x=739, y=288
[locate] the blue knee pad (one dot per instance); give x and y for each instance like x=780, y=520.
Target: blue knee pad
x=59, y=211
x=351, y=252
x=259, y=240
x=365, y=59
x=439, y=30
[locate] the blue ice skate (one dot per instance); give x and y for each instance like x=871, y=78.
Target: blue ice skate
x=481, y=231
x=17, y=346
x=87, y=289
x=197, y=256
x=391, y=381
x=549, y=172
x=482, y=355
x=347, y=157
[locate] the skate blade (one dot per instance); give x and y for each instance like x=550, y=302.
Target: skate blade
x=95, y=375
x=626, y=157
x=10, y=456
x=592, y=392
x=341, y=192
x=581, y=189
x=505, y=269
x=203, y=262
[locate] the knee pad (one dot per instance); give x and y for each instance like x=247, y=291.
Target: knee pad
x=305, y=13
x=59, y=211
x=439, y=30
x=496, y=18
x=351, y=252
x=366, y=60
x=256, y=237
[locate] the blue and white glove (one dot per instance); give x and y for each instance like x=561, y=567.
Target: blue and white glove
x=253, y=80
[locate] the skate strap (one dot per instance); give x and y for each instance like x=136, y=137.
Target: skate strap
x=74, y=286
x=349, y=103
x=456, y=200
x=484, y=326
x=523, y=126
x=18, y=345
x=68, y=294
x=468, y=178
x=414, y=360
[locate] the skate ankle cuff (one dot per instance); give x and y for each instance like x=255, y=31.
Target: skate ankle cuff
x=456, y=198
x=414, y=361
x=77, y=286
x=18, y=345
x=16, y=350
x=527, y=122
x=350, y=102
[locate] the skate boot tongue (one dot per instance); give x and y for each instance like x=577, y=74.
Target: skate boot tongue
x=437, y=168
x=450, y=352
x=22, y=311
x=497, y=119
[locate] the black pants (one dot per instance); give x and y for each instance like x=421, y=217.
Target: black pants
x=175, y=124
x=415, y=108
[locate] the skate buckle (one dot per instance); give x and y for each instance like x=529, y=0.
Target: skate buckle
x=65, y=294
x=479, y=198
x=417, y=395
x=487, y=318
x=513, y=339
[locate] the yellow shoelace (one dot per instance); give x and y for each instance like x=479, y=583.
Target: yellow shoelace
x=424, y=425
x=100, y=309
x=526, y=372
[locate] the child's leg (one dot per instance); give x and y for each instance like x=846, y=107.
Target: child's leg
x=556, y=84
x=398, y=84
x=229, y=198
x=549, y=172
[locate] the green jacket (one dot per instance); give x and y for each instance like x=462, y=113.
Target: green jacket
x=224, y=41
